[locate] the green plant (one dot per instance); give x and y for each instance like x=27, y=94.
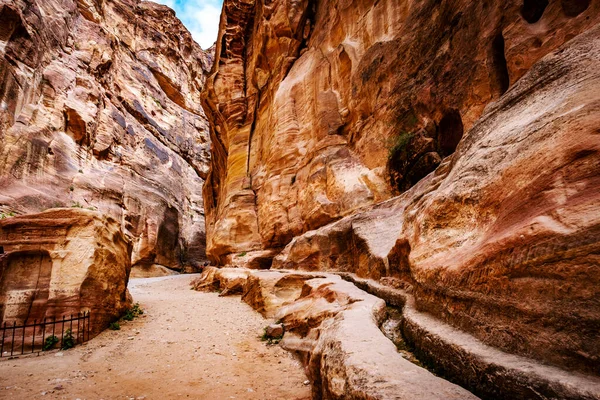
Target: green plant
x=6, y=215
x=76, y=205
x=115, y=326
x=49, y=343
x=242, y=254
x=400, y=143
x=71, y=188
x=133, y=312
x=81, y=171
x=68, y=341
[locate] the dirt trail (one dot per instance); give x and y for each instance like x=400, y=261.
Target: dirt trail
x=187, y=345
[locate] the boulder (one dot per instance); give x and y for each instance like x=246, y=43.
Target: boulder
x=62, y=262
x=274, y=331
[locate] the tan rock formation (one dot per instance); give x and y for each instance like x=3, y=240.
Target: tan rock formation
x=100, y=108
x=484, y=114
x=320, y=314
x=62, y=262
x=338, y=331
x=502, y=240
x=320, y=109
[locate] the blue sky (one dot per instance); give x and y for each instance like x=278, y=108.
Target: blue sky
x=200, y=17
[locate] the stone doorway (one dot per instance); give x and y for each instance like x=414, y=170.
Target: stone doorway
x=24, y=286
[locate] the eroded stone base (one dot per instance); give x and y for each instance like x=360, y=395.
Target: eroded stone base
x=336, y=329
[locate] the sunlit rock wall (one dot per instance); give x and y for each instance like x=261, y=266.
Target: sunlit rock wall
x=100, y=108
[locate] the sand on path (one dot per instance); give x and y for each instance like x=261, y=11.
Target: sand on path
x=187, y=344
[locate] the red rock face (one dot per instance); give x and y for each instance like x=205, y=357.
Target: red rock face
x=502, y=239
x=100, y=108
x=321, y=109
x=322, y=114
x=63, y=262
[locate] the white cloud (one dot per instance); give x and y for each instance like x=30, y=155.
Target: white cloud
x=205, y=25
x=200, y=17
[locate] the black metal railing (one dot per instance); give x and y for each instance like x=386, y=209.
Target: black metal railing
x=44, y=335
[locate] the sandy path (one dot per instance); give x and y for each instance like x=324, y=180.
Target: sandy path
x=188, y=344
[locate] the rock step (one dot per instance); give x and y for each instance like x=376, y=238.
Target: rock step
x=334, y=327
x=465, y=360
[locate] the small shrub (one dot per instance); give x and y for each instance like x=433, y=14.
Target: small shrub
x=68, y=341
x=133, y=312
x=137, y=310
x=115, y=326
x=49, y=343
x=81, y=171
x=7, y=215
x=76, y=205
x=242, y=254
x=264, y=336
x=71, y=188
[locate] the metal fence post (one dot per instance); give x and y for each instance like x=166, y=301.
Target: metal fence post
x=33, y=337
x=3, y=333
x=44, y=334
x=62, y=331
x=23, y=339
x=12, y=345
x=78, y=331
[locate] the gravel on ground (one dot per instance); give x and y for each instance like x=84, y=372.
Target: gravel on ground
x=187, y=344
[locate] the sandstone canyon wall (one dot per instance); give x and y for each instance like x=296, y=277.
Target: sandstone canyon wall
x=447, y=147
x=100, y=108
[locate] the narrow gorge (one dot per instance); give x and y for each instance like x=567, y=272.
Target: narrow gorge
x=408, y=190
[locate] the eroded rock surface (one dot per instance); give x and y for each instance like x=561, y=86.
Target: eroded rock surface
x=502, y=240
x=322, y=114
x=336, y=323
x=62, y=262
x=320, y=109
x=100, y=108
x=321, y=315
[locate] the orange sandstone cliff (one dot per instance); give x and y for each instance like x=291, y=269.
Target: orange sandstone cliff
x=448, y=147
x=100, y=109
